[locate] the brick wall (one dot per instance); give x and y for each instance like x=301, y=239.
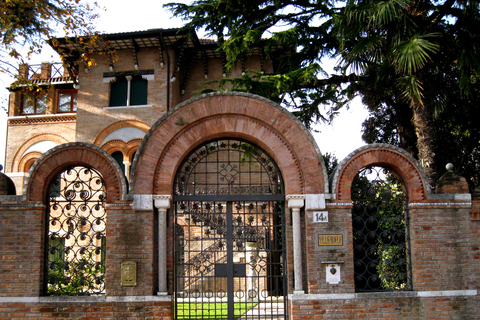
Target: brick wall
x=21, y=249
x=438, y=308
x=444, y=230
x=86, y=309
x=130, y=237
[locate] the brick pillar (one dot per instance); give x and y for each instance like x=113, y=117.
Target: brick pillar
x=23, y=71
x=475, y=212
x=46, y=70
x=451, y=182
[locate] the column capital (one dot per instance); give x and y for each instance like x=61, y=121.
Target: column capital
x=295, y=200
x=162, y=201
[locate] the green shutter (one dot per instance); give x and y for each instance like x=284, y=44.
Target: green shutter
x=118, y=92
x=139, y=91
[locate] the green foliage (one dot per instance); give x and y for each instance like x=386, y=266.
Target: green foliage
x=379, y=231
x=81, y=276
x=331, y=162
x=251, y=82
x=403, y=57
x=28, y=23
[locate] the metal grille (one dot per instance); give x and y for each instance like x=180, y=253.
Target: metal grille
x=228, y=167
x=380, y=231
x=229, y=239
x=75, y=259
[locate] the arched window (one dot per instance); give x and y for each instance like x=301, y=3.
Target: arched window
x=75, y=260
x=118, y=156
x=380, y=231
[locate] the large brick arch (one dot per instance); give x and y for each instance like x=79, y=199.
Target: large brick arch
x=16, y=166
x=383, y=155
x=71, y=154
x=236, y=115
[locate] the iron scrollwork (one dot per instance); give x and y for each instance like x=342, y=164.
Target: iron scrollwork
x=76, y=233
x=229, y=232
x=228, y=167
x=380, y=231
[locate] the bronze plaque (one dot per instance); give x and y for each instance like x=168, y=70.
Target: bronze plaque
x=330, y=239
x=129, y=274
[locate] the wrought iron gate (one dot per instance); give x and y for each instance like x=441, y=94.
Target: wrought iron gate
x=380, y=222
x=229, y=238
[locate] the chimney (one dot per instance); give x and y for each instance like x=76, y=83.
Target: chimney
x=23, y=71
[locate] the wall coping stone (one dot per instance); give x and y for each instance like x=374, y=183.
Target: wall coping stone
x=97, y=299
x=450, y=196
x=383, y=295
x=439, y=204
x=19, y=198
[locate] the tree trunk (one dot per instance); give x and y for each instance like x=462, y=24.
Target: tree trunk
x=423, y=123
x=405, y=127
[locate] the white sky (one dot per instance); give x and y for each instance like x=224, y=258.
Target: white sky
x=341, y=138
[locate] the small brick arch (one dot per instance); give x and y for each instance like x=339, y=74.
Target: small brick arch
x=222, y=115
x=119, y=125
x=27, y=160
x=71, y=154
x=126, y=148
x=383, y=155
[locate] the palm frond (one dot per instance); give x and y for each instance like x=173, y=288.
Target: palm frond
x=385, y=12
x=411, y=89
x=414, y=53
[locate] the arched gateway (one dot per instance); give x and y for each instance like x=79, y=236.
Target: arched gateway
x=228, y=161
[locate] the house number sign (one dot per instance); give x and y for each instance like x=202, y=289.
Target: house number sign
x=320, y=216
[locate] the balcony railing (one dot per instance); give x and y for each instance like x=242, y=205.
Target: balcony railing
x=46, y=73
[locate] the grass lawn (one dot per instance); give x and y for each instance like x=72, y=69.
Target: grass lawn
x=211, y=310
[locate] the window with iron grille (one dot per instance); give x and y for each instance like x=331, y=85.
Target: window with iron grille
x=380, y=231
x=75, y=253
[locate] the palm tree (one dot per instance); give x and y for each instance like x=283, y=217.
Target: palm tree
x=408, y=46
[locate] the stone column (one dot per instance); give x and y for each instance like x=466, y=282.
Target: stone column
x=127, y=165
x=296, y=202
x=162, y=203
